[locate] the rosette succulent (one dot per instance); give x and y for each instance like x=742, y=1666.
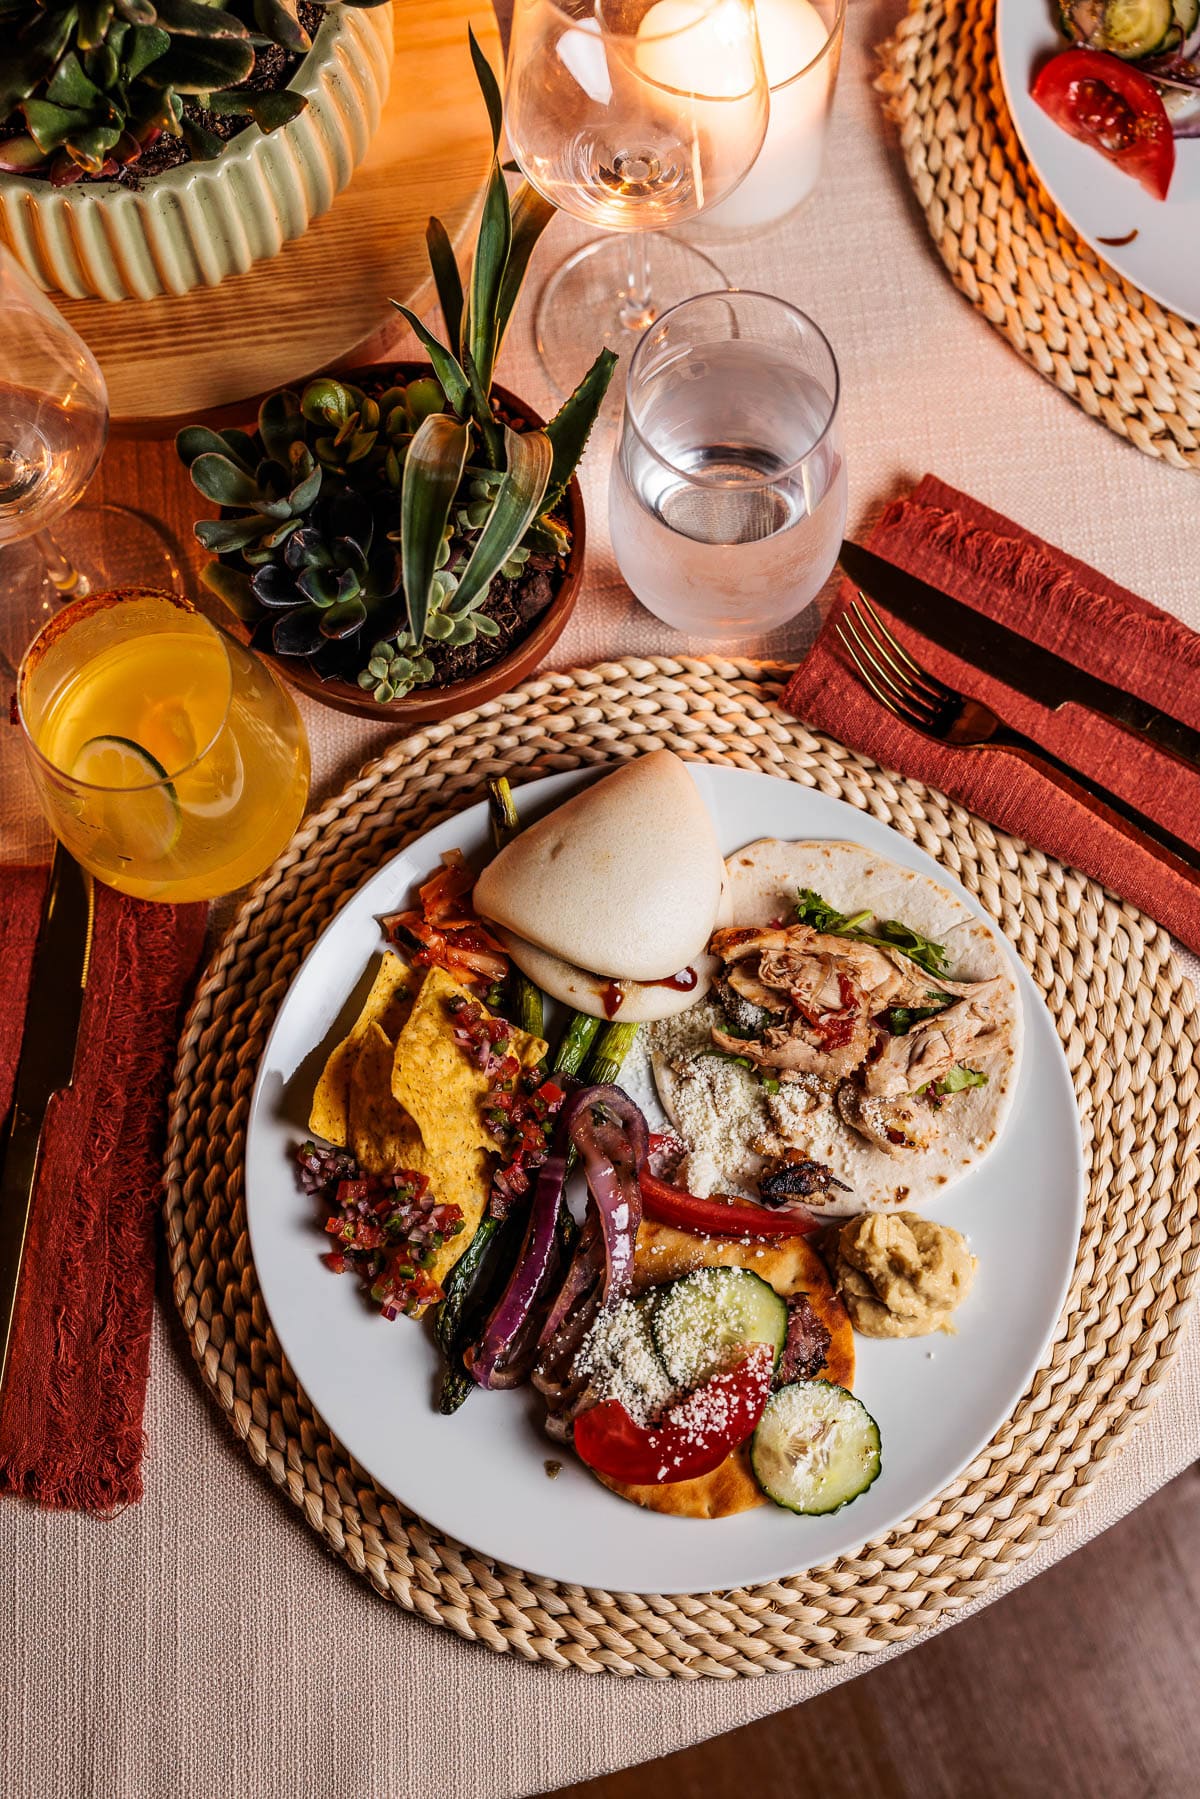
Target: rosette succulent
x=86, y=85
x=366, y=526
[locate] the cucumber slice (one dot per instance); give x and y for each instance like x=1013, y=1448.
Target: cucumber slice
x=815, y=1448
x=1126, y=28
x=1187, y=16
x=701, y=1319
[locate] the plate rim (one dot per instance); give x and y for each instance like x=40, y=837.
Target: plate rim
x=565, y=780
x=1108, y=254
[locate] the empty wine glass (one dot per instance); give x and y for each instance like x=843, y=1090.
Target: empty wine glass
x=53, y=427
x=632, y=115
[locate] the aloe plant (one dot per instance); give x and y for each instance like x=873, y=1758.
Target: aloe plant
x=90, y=83
x=366, y=526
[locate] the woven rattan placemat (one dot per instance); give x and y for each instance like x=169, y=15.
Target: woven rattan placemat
x=1120, y=355
x=1125, y=1018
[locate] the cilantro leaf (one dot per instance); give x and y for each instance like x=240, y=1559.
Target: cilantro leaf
x=815, y=911
x=901, y=1019
x=958, y=1079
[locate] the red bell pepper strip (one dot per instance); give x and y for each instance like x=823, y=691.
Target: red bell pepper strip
x=719, y=1217
x=694, y=1436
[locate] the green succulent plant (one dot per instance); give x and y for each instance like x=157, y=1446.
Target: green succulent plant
x=365, y=527
x=90, y=83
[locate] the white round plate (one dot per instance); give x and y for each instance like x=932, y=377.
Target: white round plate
x=480, y=1475
x=1100, y=202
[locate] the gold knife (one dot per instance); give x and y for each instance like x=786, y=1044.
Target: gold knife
x=47, y=1062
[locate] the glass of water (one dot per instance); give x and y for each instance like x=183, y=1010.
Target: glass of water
x=727, y=502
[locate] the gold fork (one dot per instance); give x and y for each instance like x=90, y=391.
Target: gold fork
x=908, y=691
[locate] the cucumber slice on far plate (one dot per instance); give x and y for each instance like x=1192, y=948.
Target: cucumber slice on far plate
x=703, y=1318
x=1126, y=28
x=815, y=1448
x=130, y=800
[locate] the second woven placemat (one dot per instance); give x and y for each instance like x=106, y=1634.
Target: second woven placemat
x=1124, y=1016
x=1120, y=355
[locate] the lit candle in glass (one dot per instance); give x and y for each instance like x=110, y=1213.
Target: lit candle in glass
x=801, y=43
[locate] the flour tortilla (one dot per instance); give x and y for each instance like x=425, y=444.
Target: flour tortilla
x=791, y=1267
x=762, y=881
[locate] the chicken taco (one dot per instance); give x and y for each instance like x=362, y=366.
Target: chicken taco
x=863, y=1021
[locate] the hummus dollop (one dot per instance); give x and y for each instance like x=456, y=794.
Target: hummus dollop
x=900, y=1275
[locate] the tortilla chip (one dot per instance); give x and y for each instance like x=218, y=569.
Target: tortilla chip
x=437, y=1086
x=388, y=1005
x=380, y=1133
x=791, y=1266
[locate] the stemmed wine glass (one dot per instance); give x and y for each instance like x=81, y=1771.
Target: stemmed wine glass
x=53, y=427
x=632, y=115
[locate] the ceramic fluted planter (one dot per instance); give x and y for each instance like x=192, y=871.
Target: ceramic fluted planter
x=197, y=224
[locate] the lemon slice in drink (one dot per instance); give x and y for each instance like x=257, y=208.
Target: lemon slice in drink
x=132, y=802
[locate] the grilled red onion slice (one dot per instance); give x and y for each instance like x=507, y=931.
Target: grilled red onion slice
x=506, y=1351
x=610, y=1134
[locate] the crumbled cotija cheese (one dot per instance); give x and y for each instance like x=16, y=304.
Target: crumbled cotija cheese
x=619, y=1358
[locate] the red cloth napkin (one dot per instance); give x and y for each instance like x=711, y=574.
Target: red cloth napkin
x=993, y=565
x=71, y=1408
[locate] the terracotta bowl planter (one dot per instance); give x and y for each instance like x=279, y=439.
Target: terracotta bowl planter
x=424, y=705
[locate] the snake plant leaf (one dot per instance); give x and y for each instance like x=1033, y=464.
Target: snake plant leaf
x=220, y=535
x=492, y=248
x=280, y=423
x=489, y=87
x=280, y=21
x=571, y=425
x=232, y=586
x=220, y=479
x=446, y=366
x=432, y=471
x=481, y=405
x=530, y=458
x=446, y=278
x=530, y=216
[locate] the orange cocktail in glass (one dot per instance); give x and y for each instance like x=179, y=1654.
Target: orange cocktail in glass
x=169, y=760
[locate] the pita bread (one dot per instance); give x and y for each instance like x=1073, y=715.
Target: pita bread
x=624, y=880
x=730, y=1142
x=791, y=1267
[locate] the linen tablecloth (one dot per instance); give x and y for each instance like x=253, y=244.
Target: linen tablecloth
x=203, y=1643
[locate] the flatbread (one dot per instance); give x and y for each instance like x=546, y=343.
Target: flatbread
x=641, y=1001
x=791, y=1267
x=730, y=1141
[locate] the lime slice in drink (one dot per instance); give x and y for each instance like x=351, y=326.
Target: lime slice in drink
x=132, y=802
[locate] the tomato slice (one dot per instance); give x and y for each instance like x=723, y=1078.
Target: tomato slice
x=1115, y=108
x=694, y=1436
x=718, y=1217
